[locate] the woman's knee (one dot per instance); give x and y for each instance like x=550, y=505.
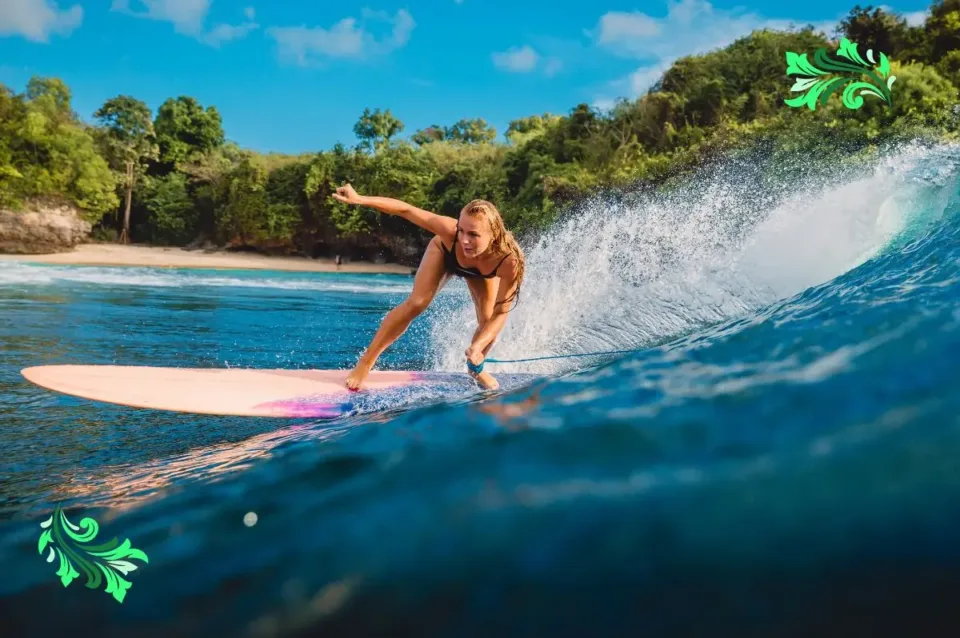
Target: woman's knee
x=418, y=302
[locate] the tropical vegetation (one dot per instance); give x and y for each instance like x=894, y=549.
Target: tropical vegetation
x=172, y=177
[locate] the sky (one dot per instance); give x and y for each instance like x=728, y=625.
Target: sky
x=293, y=77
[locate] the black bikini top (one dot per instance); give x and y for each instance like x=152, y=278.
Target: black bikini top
x=453, y=264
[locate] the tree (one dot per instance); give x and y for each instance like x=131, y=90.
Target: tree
x=433, y=133
x=949, y=67
x=12, y=114
x=129, y=141
x=877, y=30
x=943, y=28
x=171, y=214
x=374, y=129
x=242, y=201
x=52, y=97
x=473, y=131
x=46, y=153
x=185, y=129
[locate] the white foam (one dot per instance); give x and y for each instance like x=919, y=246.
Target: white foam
x=31, y=275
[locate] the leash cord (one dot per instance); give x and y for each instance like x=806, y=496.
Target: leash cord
x=478, y=369
x=561, y=356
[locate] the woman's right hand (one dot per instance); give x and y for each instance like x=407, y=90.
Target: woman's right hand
x=347, y=195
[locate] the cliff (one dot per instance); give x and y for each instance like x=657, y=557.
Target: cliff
x=42, y=228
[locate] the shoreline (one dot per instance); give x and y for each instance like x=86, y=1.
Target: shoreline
x=93, y=254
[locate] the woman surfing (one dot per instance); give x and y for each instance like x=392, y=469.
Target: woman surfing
x=476, y=246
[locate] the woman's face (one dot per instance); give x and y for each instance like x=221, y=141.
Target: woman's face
x=475, y=235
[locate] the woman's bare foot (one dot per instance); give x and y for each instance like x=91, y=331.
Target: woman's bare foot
x=358, y=375
x=487, y=381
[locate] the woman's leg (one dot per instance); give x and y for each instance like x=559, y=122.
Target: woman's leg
x=430, y=278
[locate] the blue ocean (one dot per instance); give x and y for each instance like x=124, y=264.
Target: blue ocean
x=776, y=454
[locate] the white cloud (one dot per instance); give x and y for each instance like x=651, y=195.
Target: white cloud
x=343, y=39
x=552, y=66
x=915, y=18
x=37, y=20
x=516, y=59
x=227, y=32
x=617, y=25
x=690, y=27
x=188, y=18
x=402, y=25
x=604, y=103
x=525, y=60
x=348, y=38
x=642, y=79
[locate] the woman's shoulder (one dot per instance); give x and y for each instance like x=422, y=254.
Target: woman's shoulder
x=445, y=239
x=445, y=233
x=508, y=263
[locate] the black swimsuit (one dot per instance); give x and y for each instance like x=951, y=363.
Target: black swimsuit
x=453, y=264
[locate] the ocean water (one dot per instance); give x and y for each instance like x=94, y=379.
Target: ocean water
x=777, y=456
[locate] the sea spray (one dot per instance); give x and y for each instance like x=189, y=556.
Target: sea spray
x=629, y=272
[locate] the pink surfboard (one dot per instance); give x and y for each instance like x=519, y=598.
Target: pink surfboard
x=228, y=391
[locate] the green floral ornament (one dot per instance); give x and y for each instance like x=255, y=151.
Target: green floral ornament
x=819, y=80
x=99, y=563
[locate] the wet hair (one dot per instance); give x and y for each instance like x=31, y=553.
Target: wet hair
x=503, y=242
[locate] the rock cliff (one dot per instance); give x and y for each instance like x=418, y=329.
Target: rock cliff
x=41, y=228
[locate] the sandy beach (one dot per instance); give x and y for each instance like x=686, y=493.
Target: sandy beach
x=163, y=257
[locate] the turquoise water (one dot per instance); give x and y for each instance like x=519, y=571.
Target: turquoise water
x=779, y=457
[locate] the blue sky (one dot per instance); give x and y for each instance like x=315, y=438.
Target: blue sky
x=294, y=76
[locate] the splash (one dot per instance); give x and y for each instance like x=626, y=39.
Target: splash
x=635, y=270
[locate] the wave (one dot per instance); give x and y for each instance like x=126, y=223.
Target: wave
x=32, y=275
x=632, y=272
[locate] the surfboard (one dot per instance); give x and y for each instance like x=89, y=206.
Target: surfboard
x=233, y=391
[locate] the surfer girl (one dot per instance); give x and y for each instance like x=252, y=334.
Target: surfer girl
x=476, y=246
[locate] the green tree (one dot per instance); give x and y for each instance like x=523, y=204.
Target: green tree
x=375, y=128
x=943, y=28
x=185, y=129
x=129, y=141
x=52, y=97
x=474, y=131
x=525, y=128
x=12, y=114
x=250, y=210
x=46, y=153
x=205, y=176
x=877, y=30
x=241, y=201
x=171, y=214
x=949, y=67
x=433, y=133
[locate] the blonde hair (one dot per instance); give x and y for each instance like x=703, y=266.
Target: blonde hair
x=503, y=242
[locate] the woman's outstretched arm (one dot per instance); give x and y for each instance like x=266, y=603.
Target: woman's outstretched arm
x=436, y=224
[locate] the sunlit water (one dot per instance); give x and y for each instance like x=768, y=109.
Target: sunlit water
x=778, y=457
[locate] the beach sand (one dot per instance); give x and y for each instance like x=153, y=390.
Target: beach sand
x=163, y=257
